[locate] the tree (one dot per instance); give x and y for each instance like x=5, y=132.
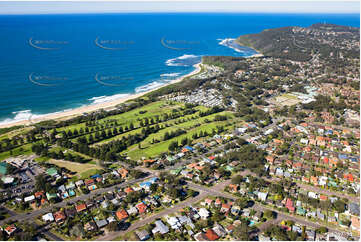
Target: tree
x=268, y=214
x=322, y=230
x=113, y=226
x=40, y=182
x=241, y=231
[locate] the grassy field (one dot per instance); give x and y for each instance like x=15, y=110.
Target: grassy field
x=150, y=111
x=152, y=150
x=22, y=150
x=75, y=167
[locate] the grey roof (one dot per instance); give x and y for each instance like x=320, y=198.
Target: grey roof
x=354, y=208
x=101, y=223
x=142, y=235
x=161, y=227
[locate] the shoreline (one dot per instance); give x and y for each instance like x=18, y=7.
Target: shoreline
x=63, y=115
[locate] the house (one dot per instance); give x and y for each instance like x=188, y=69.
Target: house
x=59, y=216
x=128, y=190
x=203, y=213
x=312, y=195
x=310, y=234
x=279, y=172
x=71, y=185
x=235, y=210
x=48, y=217
x=233, y=188
x=355, y=223
x=29, y=198
x=142, y=208
x=39, y=195
x=145, y=185
x=132, y=210
x=80, y=207
x=211, y=235
x=160, y=227
x=173, y=222
x=289, y=205
x=142, y=235
x=79, y=183
x=262, y=196
x=121, y=215
x=70, y=212
x=219, y=230
x=225, y=208
x=354, y=209
x=208, y=202
x=200, y=237
x=101, y=223
x=323, y=197
x=186, y=220
x=297, y=229
x=320, y=215
x=90, y=226
x=123, y=172
x=10, y=229
x=89, y=182
x=52, y=172
x=92, y=187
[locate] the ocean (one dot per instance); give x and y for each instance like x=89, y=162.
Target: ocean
x=52, y=63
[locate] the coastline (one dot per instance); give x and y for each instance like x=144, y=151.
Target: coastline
x=93, y=107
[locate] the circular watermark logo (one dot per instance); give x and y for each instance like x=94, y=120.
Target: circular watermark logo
x=178, y=44
x=113, y=44
x=111, y=80
x=46, y=80
x=46, y=44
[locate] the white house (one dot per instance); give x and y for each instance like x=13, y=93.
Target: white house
x=262, y=196
x=203, y=213
x=29, y=198
x=304, y=141
x=48, y=217
x=312, y=195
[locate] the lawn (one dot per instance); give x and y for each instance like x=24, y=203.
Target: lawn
x=22, y=150
x=76, y=167
x=153, y=150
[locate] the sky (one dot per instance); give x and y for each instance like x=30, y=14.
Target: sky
x=290, y=6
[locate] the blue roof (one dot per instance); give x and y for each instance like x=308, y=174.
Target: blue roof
x=353, y=159
x=96, y=176
x=342, y=156
x=146, y=184
x=188, y=147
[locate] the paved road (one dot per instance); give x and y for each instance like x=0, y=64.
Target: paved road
x=218, y=191
x=148, y=220
x=30, y=216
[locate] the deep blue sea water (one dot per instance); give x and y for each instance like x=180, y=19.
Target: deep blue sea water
x=50, y=63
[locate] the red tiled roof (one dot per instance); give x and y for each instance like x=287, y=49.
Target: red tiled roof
x=141, y=207
x=122, y=214
x=59, y=216
x=80, y=207
x=129, y=190
x=89, y=182
x=211, y=235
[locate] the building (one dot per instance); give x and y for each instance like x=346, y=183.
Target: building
x=142, y=235
x=160, y=227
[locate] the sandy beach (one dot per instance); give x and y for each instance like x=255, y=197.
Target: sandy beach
x=93, y=107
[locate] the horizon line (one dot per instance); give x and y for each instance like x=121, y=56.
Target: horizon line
x=181, y=12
